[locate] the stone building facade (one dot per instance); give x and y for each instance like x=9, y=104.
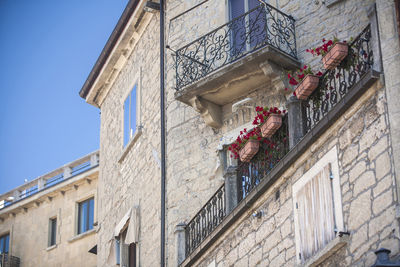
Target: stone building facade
x=43, y=221
x=215, y=77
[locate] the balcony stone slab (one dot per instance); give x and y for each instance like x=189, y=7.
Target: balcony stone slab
x=263, y=67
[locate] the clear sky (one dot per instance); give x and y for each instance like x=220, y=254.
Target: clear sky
x=47, y=50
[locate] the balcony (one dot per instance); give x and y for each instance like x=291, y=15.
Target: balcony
x=306, y=120
x=49, y=180
x=229, y=62
x=8, y=261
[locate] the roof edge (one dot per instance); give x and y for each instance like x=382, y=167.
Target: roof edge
x=108, y=48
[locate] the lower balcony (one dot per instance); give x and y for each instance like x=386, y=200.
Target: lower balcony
x=7, y=260
x=306, y=120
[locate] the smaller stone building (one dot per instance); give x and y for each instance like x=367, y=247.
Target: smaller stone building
x=52, y=220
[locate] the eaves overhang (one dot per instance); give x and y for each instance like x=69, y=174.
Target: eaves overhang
x=113, y=57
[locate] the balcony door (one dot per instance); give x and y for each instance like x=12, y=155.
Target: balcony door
x=247, y=32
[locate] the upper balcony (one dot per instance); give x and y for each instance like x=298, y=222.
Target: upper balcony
x=50, y=181
x=227, y=63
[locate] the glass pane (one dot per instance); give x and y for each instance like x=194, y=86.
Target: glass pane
x=236, y=8
x=7, y=243
x=91, y=213
x=126, y=121
x=133, y=110
x=53, y=231
x=2, y=239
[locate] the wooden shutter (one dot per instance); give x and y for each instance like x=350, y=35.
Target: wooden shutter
x=315, y=213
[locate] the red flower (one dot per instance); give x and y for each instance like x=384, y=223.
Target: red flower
x=319, y=73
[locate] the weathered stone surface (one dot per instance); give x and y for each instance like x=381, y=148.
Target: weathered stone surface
x=382, y=165
x=357, y=170
x=360, y=210
x=365, y=181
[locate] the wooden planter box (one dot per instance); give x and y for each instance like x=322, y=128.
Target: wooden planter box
x=307, y=86
x=334, y=56
x=272, y=124
x=249, y=150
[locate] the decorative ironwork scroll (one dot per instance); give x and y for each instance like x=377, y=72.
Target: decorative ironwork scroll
x=261, y=26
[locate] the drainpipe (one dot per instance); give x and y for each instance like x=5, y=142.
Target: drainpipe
x=162, y=82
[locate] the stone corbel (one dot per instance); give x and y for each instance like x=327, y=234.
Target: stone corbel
x=275, y=74
x=210, y=112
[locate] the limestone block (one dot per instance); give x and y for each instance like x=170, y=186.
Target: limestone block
x=383, y=185
x=383, y=165
x=381, y=221
x=265, y=230
x=256, y=257
x=360, y=210
x=365, y=181
x=378, y=148
x=357, y=170
x=358, y=238
x=382, y=202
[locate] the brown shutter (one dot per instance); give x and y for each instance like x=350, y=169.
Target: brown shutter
x=315, y=213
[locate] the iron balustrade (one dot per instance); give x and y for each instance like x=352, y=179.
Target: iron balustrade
x=261, y=26
x=272, y=150
x=205, y=221
x=336, y=83
x=333, y=87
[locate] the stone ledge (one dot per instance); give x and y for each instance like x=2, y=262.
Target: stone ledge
x=235, y=80
x=333, y=246
x=366, y=81
x=51, y=247
x=83, y=235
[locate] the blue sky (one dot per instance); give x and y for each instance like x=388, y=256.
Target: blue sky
x=47, y=50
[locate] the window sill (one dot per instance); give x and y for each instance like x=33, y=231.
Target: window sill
x=326, y=252
x=51, y=247
x=80, y=236
x=130, y=144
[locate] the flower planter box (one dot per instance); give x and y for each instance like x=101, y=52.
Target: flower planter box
x=334, y=56
x=272, y=124
x=307, y=86
x=249, y=150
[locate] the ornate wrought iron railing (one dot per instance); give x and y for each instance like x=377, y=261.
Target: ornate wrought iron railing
x=205, y=221
x=261, y=26
x=272, y=150
x=336, y=83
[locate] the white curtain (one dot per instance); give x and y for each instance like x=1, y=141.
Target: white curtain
x=132, y=234
x=316, y=213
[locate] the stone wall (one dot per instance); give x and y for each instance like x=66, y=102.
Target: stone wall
x=131, y=176
x=29, y=229
x=361, y=137
x=194, y=166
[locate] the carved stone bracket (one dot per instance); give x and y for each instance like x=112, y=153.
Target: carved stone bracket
x=210, y=112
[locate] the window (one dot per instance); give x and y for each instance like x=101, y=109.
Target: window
x=317, y=207
x=130, y=115
x=127, y=252
x=253, y=23
x=85, y=215
x=52, y=231
x=4, y=243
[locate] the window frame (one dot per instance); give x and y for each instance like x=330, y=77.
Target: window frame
x=88, y=226
x=52, y=234
x=332, y=159
x=3, y=240
x=137, y=81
